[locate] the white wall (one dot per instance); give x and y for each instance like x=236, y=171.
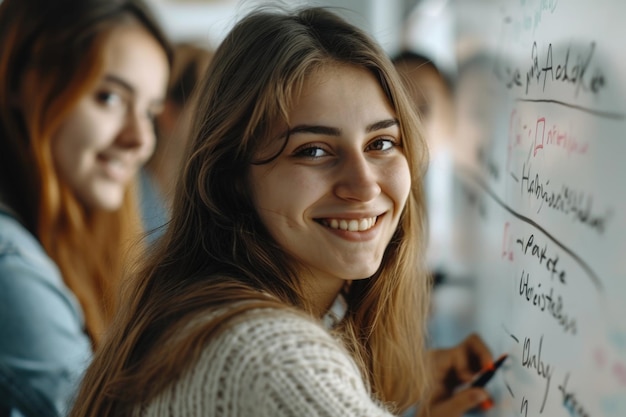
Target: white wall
x=209, y=22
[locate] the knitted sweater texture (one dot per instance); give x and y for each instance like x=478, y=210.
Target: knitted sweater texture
x=270, y=363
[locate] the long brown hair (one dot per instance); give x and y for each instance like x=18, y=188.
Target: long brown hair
x=59, y=43
x=216, y=250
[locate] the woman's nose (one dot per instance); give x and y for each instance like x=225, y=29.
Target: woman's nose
x=137, y=133
x=357, y=179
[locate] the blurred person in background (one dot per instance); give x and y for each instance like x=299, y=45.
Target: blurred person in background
x=431, y=91
x=433, y=94
x=81, y=82
x=158, y=177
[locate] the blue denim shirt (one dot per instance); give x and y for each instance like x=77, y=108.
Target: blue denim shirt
x=43, y=347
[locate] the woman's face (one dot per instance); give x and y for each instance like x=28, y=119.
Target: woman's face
x=109, y=134
x=333, y=198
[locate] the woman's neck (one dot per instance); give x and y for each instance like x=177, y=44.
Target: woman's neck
x=322, y=294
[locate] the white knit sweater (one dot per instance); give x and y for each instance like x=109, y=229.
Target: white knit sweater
x=273, y=363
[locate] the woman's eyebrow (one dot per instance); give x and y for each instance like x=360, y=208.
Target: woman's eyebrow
x=333, y=131
x=158, y=103
x=120, y=82
x=315, y=129
x=383, y=124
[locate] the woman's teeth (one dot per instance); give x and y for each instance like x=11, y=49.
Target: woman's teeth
x=352, y=225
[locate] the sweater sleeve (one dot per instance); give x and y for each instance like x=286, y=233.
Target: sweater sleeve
x=274, y=364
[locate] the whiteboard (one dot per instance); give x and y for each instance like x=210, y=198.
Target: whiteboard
x=540, y=198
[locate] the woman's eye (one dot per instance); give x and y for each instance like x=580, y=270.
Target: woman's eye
x=310, y=152
x=108, y=98
x=381, y=145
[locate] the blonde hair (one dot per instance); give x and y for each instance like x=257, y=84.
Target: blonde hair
x=217, y=252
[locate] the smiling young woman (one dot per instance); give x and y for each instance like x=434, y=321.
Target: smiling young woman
x=290, y=281
x=80, y=81
x=334, y=196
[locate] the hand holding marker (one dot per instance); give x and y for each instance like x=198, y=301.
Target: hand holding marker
x=487, y=372
x=484, y=376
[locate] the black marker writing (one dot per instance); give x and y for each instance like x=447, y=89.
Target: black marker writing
x=543, y=369
x=546, y=301
x=535, y=249
x=567, y=201
x=570, y=402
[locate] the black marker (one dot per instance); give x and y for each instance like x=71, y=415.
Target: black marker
x=484, y=375
x=481, y=380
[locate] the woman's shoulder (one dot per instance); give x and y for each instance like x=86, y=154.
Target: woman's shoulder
x=263, y=323
x=273, y=362
x=280, y=337
x=17, y=241
x=273, y=334
x=31, y=285
x=42, y=342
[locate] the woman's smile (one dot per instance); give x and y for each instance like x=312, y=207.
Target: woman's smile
x=333, y=197
x=352, y=225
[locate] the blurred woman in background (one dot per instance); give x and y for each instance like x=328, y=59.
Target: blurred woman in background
x=81, y=82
